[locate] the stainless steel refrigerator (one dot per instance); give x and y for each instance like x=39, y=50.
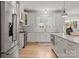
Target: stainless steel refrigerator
x=9, y=41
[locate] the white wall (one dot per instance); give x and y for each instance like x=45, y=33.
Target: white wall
x=33, y=20
x=53, y=23
x=59, y=23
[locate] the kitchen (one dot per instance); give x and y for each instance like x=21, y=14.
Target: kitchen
x=41, y=23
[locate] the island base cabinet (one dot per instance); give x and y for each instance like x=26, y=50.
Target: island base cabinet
x=77, y=51
x=70, y=49
x=59, y=45
x=65, y=48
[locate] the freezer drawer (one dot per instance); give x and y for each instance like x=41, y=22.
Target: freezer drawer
x=13, y=53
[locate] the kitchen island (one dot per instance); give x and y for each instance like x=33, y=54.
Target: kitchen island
x=65, y=46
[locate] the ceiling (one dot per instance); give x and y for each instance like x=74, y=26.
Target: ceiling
x=72, y=7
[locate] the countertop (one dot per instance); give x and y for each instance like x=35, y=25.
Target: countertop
x=74, y=39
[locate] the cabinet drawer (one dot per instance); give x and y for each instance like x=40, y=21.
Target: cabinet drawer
x=69, y=44
x=13, y=53
x=69, y=52
x=58, y=39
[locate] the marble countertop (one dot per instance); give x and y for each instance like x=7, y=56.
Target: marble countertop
x=74, y=39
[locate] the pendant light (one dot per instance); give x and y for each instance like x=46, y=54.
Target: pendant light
x=64, y=12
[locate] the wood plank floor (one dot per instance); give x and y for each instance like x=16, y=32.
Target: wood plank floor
x=37, y=50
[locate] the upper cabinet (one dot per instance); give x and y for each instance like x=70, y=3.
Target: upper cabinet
x=10, y=6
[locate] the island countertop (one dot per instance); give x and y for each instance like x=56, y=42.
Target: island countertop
x=74, y=39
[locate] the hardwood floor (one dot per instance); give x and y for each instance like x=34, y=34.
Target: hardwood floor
x=37, y=50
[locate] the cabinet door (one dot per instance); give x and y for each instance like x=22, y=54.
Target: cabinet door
x=58, y=41
x=69, y=49
x=21, y=37
x=53, y=39
x=77, y=51
x=59, y=45
x=13, y=53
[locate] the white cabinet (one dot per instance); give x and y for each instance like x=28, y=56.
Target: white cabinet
x=38, y=37
x=21, y=39
x=69, y=49
x=65, y=48
x=52, y=39
x=59, y=46
x=13, y=53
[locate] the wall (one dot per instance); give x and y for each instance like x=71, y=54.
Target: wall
x=59, y=23
x=52, y=23
x=22, y=11
x=33, y=20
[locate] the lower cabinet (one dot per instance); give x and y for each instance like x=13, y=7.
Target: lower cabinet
x=21, y=39
x=65, y=48
x=59, y=46
x=13, y=53
x=69, y=49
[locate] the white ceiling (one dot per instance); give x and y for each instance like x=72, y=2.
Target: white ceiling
x=42, y=4
x=72, y=7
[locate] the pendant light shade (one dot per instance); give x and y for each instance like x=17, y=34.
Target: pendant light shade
x=64, y=14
